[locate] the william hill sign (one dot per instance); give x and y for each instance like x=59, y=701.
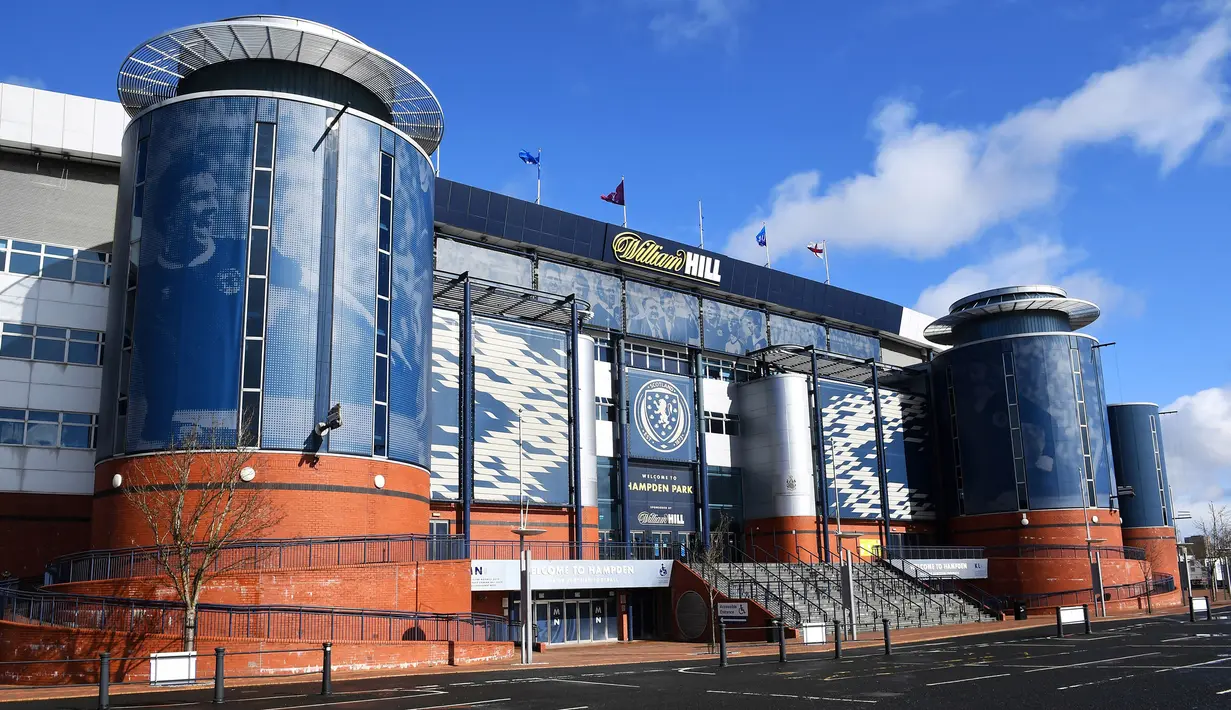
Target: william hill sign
x=632, y=248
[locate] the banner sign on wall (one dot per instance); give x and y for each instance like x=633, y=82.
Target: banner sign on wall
x=961, y=569
x=660, y=416
x=505, y=575
x=661, y=497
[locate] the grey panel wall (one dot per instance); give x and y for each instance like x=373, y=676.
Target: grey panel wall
x=776, y=447
x=45, y=199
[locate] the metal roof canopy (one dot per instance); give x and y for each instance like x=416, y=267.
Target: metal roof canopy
x=152, y=72
x=831, y=365
x=488, y=298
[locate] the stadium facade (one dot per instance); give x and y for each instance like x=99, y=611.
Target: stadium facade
x=259, y=237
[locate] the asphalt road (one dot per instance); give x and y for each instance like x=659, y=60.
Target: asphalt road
x=1165, y=662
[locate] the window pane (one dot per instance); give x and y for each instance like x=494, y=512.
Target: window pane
x=382, y=275
x=138, y=200
x=12, y=433
x=250, y=418
x=378, y=430
x=75, y=437
x=253, y=350
x=16, y=346
x=91, y=272
x=16, y=414
x=56, y=268
x=46, y=332
x=264, y=145
x=18, y=328
x=27, y=264
x=73, y=418
x=142, y=146
x=48, y=350
x=28, y=246
x=37, y=415
x=42, y=434
x=256, y=307
x=382, y=380
x=382, y=319
x=386, y=174
x=258, y=250
x=260, y=198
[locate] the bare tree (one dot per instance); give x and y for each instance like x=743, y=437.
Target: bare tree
x=1155, y=558
x=1215, y=527
x=195, y=502
x=713, y=555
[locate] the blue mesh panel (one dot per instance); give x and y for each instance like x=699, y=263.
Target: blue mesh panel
x=187, y=334
x=290, y=342
x=1050, y=434
x=267, y=110
x=983, y=427
x=731, y=329
x=445, y=364
x=410, y=316
x=354, y=284
x=1096, y=420
x=389, y=141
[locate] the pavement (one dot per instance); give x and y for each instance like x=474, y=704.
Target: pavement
x=1144, y=662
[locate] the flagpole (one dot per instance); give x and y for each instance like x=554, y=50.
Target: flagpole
x=825, y=249
x=437, y=161
x=701, y=222
x=625, y=205
x=538, y=194
x=768, y=262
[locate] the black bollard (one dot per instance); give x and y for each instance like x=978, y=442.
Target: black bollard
x=781, y=641
x=1192, y=610
x=1085, y=609
x=219, y=674
x=104, y=680
x=327, y=670
x=837, y=639
x=1059, y=626
x=722, y=645
x=885, y=623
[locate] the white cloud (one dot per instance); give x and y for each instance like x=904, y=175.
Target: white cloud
x=679, y=21
x=1038, y=260
x=30, y=81
x=1197, y=442
x=933, y=187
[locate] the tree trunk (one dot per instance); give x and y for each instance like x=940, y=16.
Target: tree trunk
x=190, y=626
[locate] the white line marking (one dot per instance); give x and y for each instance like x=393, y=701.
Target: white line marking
x=690, y=671
x=1093, y=682
x=592, y=682
x=1092, y=663
x=1194, y=665
x=424, y=694
x=967, y=680
x=579, y=707
x=460, y=705
x=793, y=697
x=1223, y=692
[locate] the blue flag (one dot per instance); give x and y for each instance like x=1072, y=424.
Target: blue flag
x=761, y=237
x=528, y=158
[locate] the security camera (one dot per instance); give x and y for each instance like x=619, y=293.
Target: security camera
x=332, y=421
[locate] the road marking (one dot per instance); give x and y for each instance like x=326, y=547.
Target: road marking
x=690, y=671
x=1093, y=682
x=1223, y=692
x=967, y=680
x=423, y=694
x=592, y=682
x=472, y=703
x=792, y=697
x=579, y=707
x=1092, y=663
x=1195, y=665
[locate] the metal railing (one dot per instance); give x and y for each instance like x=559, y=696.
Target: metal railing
x=265, y=622
x=931, y=552
x=290, y=553
x=987, y=603
x=745, y=586
x=554, y=550
x=1107, y=552
x=1159, y=584
x=812, y=608
x=869, y=593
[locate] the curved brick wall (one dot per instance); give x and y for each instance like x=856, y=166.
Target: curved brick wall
x=336, y=497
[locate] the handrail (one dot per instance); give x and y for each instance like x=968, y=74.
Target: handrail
x=272, y=621
x=826, y=614
x=822, y=591
x=869, y=590
x=1161, y=583
x=932, y=552
x=274, y=553
x=933, y=584
x=1066, y=551
x=787, y=613
x=896, y=575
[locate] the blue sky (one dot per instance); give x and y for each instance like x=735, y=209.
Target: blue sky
x=941, y=146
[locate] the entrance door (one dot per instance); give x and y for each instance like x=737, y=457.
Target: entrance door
x=557, y=622
x=661, y=540
x=599, y=609
x=570, y=621
x=584, y=621
x=541, y=622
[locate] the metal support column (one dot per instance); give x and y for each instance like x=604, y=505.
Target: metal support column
x=574, y=421
x=703, y=479
x=880, y=457
x=465, y=437
x=621, y=396
x=818, y=440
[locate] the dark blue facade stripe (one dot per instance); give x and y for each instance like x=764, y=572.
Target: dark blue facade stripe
x=475, y=209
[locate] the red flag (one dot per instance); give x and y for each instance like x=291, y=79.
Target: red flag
x=615, y=198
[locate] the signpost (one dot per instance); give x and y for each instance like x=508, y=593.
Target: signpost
x=733, y=612
x=1072, y=615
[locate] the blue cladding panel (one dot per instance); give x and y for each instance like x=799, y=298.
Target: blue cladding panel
x=661, y=314
x=850, y=447
x=1050, y=433
x=446, y=326
x=519, y=366
x=660, y=416
x=601, y=291
x=1096, y=418
x=1134, y=448
x=267, y=110
x=788, y=331
x=354, y=285
x=294, y=278
x=411, y=352
x=983, y=426
x=731, y=329
x=189, y=302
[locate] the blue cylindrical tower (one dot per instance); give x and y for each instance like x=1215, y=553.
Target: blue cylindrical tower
x=1137, y=448
x=274, y=260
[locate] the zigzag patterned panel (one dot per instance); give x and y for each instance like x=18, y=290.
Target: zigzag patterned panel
x=850, y=445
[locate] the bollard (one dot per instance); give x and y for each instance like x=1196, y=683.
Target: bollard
x=888, y=649
x=104, y=680
x=837, y=639
x=722, y=645
x=1085, y=610
x=1192, y=611
x=1059, y=626
x=219, y=674
x=781, y=641
x=1209, y=609
x=327, y=669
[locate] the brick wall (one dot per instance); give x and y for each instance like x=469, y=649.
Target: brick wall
x=442, y=587
x=684, y=580
x=1046, y=527
x=335, y=497
x=46, y=526
x=26, y=642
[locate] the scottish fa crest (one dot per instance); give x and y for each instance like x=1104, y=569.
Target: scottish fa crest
x=663, y=416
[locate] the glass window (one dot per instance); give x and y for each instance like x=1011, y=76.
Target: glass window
x=260, y=198
x=378, y=431
x=49, y=350
x=264, y=145
x=75, y=437
x=55, y=268
x=252, y=364
x=382, y=380
x=18, y=346
x=250, y=417
x=27, y=264
x=42, y=433
x=58, y=251
x=386, y=174
x=258, y=249
x=12, y=433
x=91, y=272
x=256, y=307
x=382, y=275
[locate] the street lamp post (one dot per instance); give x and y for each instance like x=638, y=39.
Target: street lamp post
x=524, y=555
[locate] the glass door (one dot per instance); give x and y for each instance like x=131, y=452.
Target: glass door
x=557, y=622
x=599, y=609
x=570, y=622
x=584, y=621
x=541, y=623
